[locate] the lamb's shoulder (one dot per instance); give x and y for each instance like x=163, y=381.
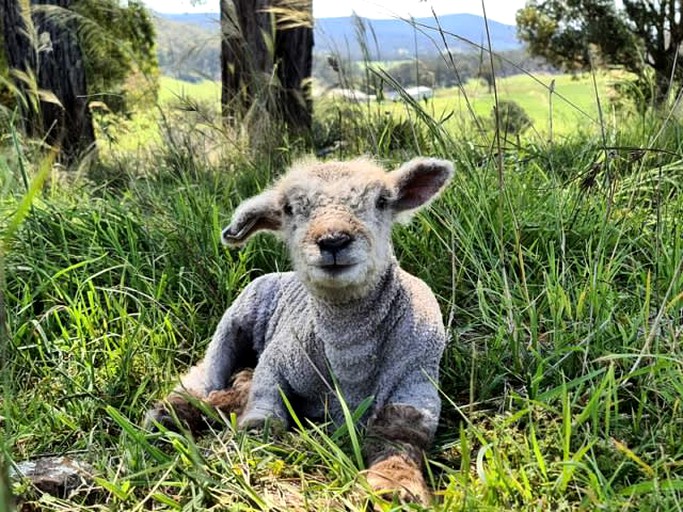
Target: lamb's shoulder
x=291, y=359
x=263, y=303
x=421, y=305
x=288, y=299
x=285, y=337
x=269, y=287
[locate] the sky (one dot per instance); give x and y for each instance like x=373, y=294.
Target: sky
x=498, y=10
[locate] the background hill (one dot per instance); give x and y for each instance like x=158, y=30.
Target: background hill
x=208, y=20
x=399, y=39
x=189, y=44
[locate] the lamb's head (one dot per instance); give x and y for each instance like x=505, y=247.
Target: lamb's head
x=336, y=218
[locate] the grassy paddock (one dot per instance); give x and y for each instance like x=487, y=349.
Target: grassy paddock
x=557, y=267
x=570, y=108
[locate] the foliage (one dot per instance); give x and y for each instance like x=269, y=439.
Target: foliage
x=119, y=46
x=119, y=50
x=584, y=34
x=409, y=74
x=510, y=118
x=432, y=71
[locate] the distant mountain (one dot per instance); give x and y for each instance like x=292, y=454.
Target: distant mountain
x=189, y=45
x=395, y=39
x=207, y=20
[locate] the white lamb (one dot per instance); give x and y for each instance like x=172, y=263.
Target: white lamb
x=348, y=316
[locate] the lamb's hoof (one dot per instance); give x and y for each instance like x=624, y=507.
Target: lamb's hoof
x=174, y=414
x=233, y=399
x=189, y=410
x=397, y=478
x=156, y=416
x=262, y=422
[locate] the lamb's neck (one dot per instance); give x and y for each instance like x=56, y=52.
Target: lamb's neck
x=348, y=323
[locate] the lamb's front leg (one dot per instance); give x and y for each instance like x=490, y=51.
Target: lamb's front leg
x=211, y=381
x=396, y=439
x=265, y=407
x=178, y=405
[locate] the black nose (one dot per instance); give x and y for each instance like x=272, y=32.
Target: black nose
x=334, y=242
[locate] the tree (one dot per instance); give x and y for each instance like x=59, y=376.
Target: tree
x=262, y=40
x=47, y=67
x=409, y=74
x=68, y=51
x=510, y=118
x=490, y=70
x=642, y=36
x=118, y=44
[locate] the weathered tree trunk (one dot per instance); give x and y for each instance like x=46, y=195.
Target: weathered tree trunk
x=46, y=48
x=294, y=59
x=245, y=62
x=21, y=56
x=249, y=56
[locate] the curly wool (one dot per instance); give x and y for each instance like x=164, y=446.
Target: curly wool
x=386, y=345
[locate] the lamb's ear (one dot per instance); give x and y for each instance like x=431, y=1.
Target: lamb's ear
x=419, y=181
x=260, y=212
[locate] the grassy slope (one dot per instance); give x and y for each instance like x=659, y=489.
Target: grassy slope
x=552, y=286
x=574, y=99
x=574, y=104
x=172, y=89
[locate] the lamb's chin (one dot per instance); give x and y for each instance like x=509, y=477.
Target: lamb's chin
x=337, y=282
x=335, y=276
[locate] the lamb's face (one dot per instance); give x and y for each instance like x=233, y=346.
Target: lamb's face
x=337, y=224
x=336, y=218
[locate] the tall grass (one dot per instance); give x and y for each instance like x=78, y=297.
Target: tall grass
x=557, y=266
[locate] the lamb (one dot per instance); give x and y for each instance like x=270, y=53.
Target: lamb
x=348, y=316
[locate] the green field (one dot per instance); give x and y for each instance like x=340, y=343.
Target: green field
x=573, y=102
x=171, y=90
x=572, y=106
x=557, y=265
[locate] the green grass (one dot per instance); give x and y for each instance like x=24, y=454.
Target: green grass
x=571, y=107
x=136, y=133
x=573, y=100
x=558, y=275
x=574, y=107
x=171, y=89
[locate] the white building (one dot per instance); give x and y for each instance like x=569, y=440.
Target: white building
x=351, y=95
x=417, y=93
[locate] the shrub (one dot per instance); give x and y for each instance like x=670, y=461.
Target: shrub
x=511, y=118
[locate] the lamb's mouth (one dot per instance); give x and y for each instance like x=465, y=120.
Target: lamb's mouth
x=336, y=269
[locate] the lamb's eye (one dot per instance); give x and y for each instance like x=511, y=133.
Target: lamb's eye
x=287, y=209
x=382, y=202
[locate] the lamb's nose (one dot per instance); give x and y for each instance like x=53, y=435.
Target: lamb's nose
x=334, y=242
